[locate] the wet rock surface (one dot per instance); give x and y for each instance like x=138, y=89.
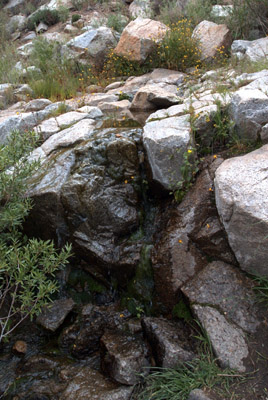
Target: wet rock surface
x=53, y=316
x=168, y=341
x=89, y=384
x=123, y=357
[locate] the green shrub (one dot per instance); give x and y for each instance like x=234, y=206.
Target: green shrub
x=116, y=22
x=75, y=17
x=246, y=16
x=27, y=266
x=170, y=12
x=60, y=77
x=63, y=13
x=198, y=10
x=49, y=17
x=178, y=50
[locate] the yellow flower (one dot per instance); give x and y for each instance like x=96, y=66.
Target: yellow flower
x=208, y=226
x=121, y=315
x=180, y=241
x=189, y=151
x=126, y=181
x=215, y=156
x=210, y=189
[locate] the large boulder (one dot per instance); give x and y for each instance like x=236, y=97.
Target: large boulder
x=94, y=44
x=87, y=193
x=241, y=186
x=139, y=38
x=212, y=38
x=166, y=142
x=252, y=50
x=249, y=111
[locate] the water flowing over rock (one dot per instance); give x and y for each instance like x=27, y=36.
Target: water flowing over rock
x=87, y=194
x=139, y=38
x=241, y=187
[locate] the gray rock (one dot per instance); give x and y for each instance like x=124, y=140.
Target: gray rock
x=21, y=122
x=95, y=99
x=252, y=50
x=15, y=6
x=165, y=142
x=123, y=357
x=17, y=22
x=91, y=111
x=115, y=105
x=94, y=43
x=85, y=383
x=37, y=104
x=241, y=186
x=42, y=27
x=249, y=111
x=168, y=342
x=30, y=36
x=223, y=286
x=152, y=96
x=25, y=50
x=228, y=341
x=198, y=394
x=53, y=316
x=85, y=194
x=77, y=133
x=47, y=128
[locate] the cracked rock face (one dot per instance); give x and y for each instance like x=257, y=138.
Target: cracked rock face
x=228, y=341
x=224, y=287
x=241, y=187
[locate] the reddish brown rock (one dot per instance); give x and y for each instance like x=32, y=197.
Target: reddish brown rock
x=19, y=347
x=213, y=38
x=139, y=38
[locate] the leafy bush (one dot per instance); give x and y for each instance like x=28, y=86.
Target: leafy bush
x=198, y=10
x=75, y=17
x=178, y=50
x=116, y=22
x=170, y=12
x=246, y=16
x=49, y=17
x=27, y=266
x=60, y=77
x=63, y=13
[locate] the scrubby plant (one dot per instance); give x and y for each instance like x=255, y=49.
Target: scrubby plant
x=116, y=22
x=60, y=77
x=246, y=16
x=75, y=17
x=63, y=13
x=27, y=266
x=47, y=16
x=179, y=50
x=8, y=54
x=170, y=12
x=198, y=10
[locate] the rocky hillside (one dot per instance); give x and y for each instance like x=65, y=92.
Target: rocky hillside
x=152, y=120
